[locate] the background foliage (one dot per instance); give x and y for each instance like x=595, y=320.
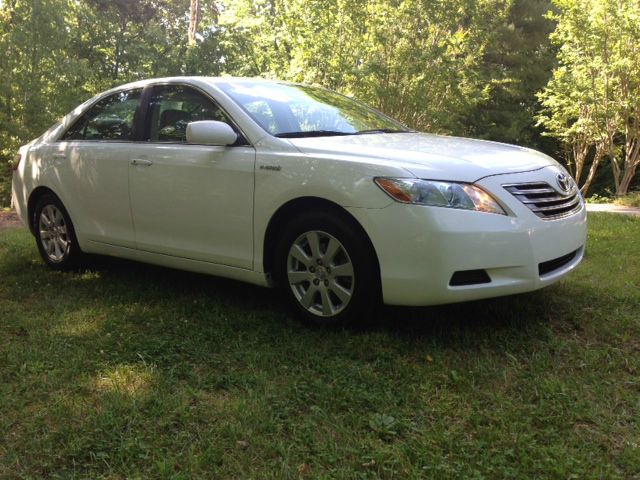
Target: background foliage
x=592, y=102
x=463, y=67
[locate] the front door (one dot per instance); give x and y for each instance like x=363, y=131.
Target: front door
x=191, y=201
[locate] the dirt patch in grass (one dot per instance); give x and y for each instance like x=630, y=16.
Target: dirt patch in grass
x=9, y=219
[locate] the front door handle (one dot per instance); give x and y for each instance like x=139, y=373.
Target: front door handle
x=141, y=162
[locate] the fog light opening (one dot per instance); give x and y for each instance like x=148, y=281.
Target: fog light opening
x=469, y=277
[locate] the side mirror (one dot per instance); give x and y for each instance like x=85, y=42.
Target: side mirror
x=210, y=132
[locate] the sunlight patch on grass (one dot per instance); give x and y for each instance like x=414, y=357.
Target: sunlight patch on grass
x=89, y=275
x=129, y=380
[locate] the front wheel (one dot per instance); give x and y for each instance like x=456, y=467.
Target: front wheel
x=55, y=235
x=327, y=270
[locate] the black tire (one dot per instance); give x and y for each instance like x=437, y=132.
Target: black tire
x=65, y=253
x=354, y=249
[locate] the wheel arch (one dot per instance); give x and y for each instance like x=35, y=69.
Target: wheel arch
x=35, y=195
x=296, y=207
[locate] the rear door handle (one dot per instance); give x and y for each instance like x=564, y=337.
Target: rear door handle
x=59, y=155
x=141, y=162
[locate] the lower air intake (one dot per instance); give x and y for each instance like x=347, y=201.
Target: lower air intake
x=551, y=265
x=469, y=277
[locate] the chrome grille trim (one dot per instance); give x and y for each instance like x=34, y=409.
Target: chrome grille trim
x=544, y=200
x=534, y=191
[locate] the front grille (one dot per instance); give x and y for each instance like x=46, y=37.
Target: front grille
x=551, y=265
x=545, y=201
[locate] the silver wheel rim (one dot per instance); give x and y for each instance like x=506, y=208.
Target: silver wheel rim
x=53, y=233
x=320, y=273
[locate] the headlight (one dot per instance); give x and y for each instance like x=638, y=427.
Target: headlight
x=439, y=194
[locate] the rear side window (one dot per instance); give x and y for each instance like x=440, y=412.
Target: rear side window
x=173, y=107
x=109, y=119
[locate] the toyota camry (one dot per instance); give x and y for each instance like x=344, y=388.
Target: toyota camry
x=300, y=188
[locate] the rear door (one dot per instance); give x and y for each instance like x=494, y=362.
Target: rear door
x=191, y=201
x=91, y=162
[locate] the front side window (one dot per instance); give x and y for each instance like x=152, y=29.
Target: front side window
x=173, y=107
x=109, y=119
x=287, y=110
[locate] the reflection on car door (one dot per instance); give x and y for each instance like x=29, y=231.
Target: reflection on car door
x=191, y=201
x=92, y=157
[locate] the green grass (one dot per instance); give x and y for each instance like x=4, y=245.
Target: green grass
x=595, y=198
x=630, y=200
x=132, y=371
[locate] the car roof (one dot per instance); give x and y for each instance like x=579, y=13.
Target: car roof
x=197, y=79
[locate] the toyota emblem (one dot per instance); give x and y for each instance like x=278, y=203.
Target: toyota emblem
x=564, y=182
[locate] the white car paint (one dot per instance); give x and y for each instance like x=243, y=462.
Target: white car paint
x=424, y=155
x=207, y=208
x=190, y=195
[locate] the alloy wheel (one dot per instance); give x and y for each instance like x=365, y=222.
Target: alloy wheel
x=320, y=273
x=53, y=233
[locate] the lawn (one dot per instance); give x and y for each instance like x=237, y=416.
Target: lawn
x=630, y=200
x=133, y=371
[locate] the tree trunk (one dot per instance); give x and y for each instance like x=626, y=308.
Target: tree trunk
x=119, y=48
x=600, y=152
x=194, y=20
x=631, y=163
x=625, y=182
x=580, y=150
x=631, y=159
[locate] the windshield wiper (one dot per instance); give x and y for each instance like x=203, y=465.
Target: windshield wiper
x=313, y=133
x=383, y=130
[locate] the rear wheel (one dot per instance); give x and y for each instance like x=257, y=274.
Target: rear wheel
x=55, y=235
x=326, y=270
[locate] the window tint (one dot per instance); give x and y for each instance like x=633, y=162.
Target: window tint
x=173, y=107
x=109, y=119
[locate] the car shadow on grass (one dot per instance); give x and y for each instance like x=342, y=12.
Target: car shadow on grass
x=496, y=313
x=516, y=315
x=159, y=300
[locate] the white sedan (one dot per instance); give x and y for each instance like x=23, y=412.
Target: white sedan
x=294, y=186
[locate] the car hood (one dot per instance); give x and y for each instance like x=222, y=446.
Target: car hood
x=430, y=156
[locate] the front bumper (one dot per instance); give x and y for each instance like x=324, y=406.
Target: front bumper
x=419, y=248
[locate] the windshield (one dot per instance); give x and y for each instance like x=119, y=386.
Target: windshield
x=291, y=111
